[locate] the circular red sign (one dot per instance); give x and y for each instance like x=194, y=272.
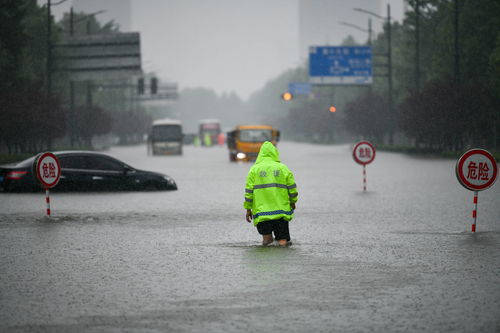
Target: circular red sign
x=476, y=170
x=363, y=152
x=47, y=170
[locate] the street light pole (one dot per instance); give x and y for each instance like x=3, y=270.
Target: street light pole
x=49, y=50
x=369, y=31
x=417, y=45
x=71, y=89
x=71, y=24
x=456, y=62
x=392, y=118
x=49, y=63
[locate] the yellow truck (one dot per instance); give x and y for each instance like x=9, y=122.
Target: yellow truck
x=244, y=141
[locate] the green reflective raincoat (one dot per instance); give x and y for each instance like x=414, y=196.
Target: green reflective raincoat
x=270, y=187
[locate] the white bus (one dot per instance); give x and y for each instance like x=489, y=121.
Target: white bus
x=165, y=137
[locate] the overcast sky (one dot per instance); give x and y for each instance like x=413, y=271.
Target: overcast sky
x=226, y=45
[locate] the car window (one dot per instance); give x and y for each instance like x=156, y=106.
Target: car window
x=256, y=135
x=103, y=163
x=167, y=132
x=72, y=162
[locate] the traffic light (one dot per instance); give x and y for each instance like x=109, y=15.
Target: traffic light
x=287, y=96
x=332, y=108
x=154, y=85
x=140, y=86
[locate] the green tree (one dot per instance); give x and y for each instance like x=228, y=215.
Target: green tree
x=130, y=126
x=13, y=40
x=447, y=115
x=30, y=118
x=23, y=42
x=495, y=84
x=85, y=24
x=89, y=122
x=368, y=117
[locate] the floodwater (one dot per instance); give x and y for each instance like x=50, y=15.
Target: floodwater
x=398, y=258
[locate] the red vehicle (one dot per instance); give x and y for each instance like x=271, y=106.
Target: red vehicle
x=209, y=131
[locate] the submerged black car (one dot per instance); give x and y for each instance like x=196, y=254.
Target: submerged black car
x=85, y=171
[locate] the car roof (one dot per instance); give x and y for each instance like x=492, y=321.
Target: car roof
x=208, y=121
x=80, y=152
x=62, y=153
x=166, y=121
x=244, y=127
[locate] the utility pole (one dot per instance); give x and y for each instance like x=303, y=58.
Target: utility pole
x=456, y=63
x=417, y=45
x=72, y=113
x=49, y=50
x=71, y=23
x=392, y=117
x=370, y=87
x=72, y=117
x=369, y=32
x=49, y=64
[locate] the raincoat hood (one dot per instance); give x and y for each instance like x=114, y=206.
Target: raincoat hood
x=268, y=152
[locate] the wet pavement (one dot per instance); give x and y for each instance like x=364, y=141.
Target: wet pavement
x=398, y=258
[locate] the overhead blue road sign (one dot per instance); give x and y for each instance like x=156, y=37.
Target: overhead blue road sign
x=342, y=65
x=299, y=88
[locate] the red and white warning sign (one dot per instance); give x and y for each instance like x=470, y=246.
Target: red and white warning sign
x=363, y=152
x=476, y=170
x=48, y=170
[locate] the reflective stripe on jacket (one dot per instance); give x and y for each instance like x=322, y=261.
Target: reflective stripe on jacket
x=270, y=187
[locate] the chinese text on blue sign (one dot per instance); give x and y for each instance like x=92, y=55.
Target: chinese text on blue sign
x=340, y=65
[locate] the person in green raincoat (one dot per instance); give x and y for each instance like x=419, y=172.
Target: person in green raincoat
x=270, y=196
x=207, y=140
x=196, y=141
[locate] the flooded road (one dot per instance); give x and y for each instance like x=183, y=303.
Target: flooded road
x=399, y=257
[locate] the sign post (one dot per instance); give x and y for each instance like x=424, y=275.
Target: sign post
x=363, y=153
x=476, y=170
x=48, y=172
